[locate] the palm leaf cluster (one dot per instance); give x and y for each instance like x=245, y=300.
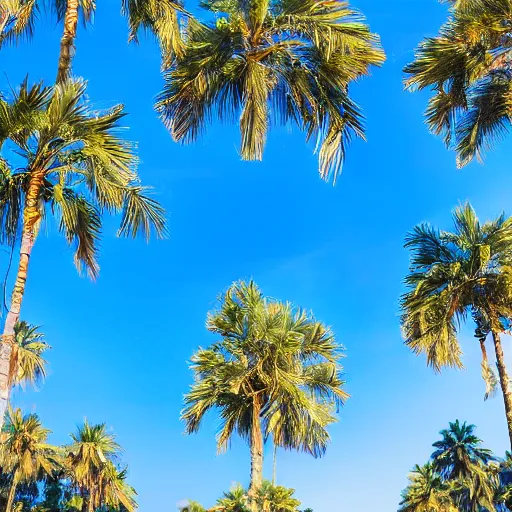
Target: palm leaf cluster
x=460, y=477
x=454, y=275
x=84, y=168
x=83, y=476
x=467, y=65
x=270, y=63
x=271, y=498
x=17, y=19
x=273, y=352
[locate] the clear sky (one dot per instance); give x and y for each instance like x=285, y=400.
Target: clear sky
x=121, y=345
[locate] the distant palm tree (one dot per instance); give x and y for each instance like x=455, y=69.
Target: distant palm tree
x=235, y=500
x=29, y=366
x=455, y=274
x=468, y=67
x=24, y=451
x=459, y=451
x=91, y=464
x=267, y=63
x=70, y=165
x=274, y=498
x=275, y=371
x=462, y=462
x=426, y=492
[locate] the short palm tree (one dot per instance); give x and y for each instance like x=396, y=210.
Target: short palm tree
x=274, y=372
x=67, y=162
x=92, y=469
x=29, y=365
x=455, y=274
x=24, y=451
x=274, y=498
x=290, y=61
x=468, y=67
x=235, y=500
x=459, y=451
x=426, y=492
x=16, y=19
x=463, y=463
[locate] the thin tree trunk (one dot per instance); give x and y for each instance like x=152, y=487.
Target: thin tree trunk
x=274, y=468
x=31, y=217
x=12, y=492
x=67, y=43
x=504, y=381
x=256, y=454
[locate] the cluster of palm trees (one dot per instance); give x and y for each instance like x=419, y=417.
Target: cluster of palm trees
x=83, y=476
x=461, y=476
x=274, y=374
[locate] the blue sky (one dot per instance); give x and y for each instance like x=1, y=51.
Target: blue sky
x=121, y=344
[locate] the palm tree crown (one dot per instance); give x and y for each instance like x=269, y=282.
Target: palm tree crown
x=468, y=67
x=84, y=169
x=28, y=350
x=288, y=61
x=273, y=352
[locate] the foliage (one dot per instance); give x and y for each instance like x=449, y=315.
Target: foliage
x=87, y=169
x=272, y=350
x=271, y=498
x=453, y=275
x=467, y=66
x=29, y=347
x=460, y=477
x=283, y=62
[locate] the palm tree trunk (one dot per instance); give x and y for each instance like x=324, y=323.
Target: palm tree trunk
x=274, y=465
x=67, y=43
x=256, y=454
x=504, y=381
x=31, y=217
x=12, y=492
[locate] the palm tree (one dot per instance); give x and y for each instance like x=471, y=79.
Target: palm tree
x=16, y=19
x=461, y=460
x=70, y=165
x=426, y=492
x=282, y=62
x=459, y=451
x=468, y=68
x=455, y=274
x=24, y=452
x=234, y=501
x=275, y=372
x=91, y=464
x=29, y=366
x=274, y=498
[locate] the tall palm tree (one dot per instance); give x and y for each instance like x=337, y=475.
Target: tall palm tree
x=275, y=372
x=70, y=164
x=455, y=274
x=91, y=463
x=468, y=68
x=24, y=452
x=426, y=492
x=16, y=19
x=290, y=61
x=29, y=365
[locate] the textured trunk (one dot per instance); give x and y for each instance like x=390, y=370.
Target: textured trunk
x=256, y=454
x=67, y=43
x=12, y=492
x=504, y=381
x=31, y=217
